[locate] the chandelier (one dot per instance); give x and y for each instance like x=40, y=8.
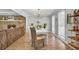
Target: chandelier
x=37, y=15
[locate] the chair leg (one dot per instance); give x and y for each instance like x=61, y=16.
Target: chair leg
x=35, y=46
x=32, y=44
x=43, y=42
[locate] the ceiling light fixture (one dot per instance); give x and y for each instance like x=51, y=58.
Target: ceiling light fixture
x=38, y=13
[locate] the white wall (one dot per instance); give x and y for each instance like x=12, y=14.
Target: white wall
x=41, y=19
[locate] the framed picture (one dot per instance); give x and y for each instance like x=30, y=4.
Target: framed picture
x=68, y=19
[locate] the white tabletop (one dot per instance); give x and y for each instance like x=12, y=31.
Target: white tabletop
x=42, y=31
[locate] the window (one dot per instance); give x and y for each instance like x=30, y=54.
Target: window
x=53, y=24
x=61, y=24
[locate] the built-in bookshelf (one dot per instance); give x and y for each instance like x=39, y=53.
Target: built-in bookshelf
x=73, y=21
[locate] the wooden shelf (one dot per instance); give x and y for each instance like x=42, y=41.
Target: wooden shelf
x=75, y=45
x=74, y=38
x=74, y=30
x=10, y=20
x=75, y=15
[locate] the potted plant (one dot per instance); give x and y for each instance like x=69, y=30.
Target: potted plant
x=44, y=26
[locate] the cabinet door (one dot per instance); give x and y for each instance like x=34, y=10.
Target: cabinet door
x=0, y=39
x=0, y=45
x=13, y=37
x=17, y=33
x=1, y=17
x=9, y=37
x=3, y=40
x=21, y=30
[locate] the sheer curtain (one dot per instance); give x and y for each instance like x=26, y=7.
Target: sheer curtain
x=53, y=24
x=61, y=24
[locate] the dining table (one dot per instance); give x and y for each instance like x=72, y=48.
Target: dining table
x=45, y=33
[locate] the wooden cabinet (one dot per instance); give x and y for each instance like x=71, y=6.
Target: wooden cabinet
x=14, y=34
x=7, y=37
x=0, y=38
x=19, y=18
x=1, y=17
x=3, y=40
x=6, y=17
x=0, y=45
x=10, y=36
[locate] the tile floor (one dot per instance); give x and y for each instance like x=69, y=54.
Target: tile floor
x=24, y=44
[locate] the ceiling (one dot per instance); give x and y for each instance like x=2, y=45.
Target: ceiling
x=7, y=12
x=42, y=12
x=29, y=12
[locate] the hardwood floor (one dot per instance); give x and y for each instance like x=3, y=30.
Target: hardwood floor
x=24, y=44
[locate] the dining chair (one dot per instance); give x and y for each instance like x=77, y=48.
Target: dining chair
x=36, y=40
